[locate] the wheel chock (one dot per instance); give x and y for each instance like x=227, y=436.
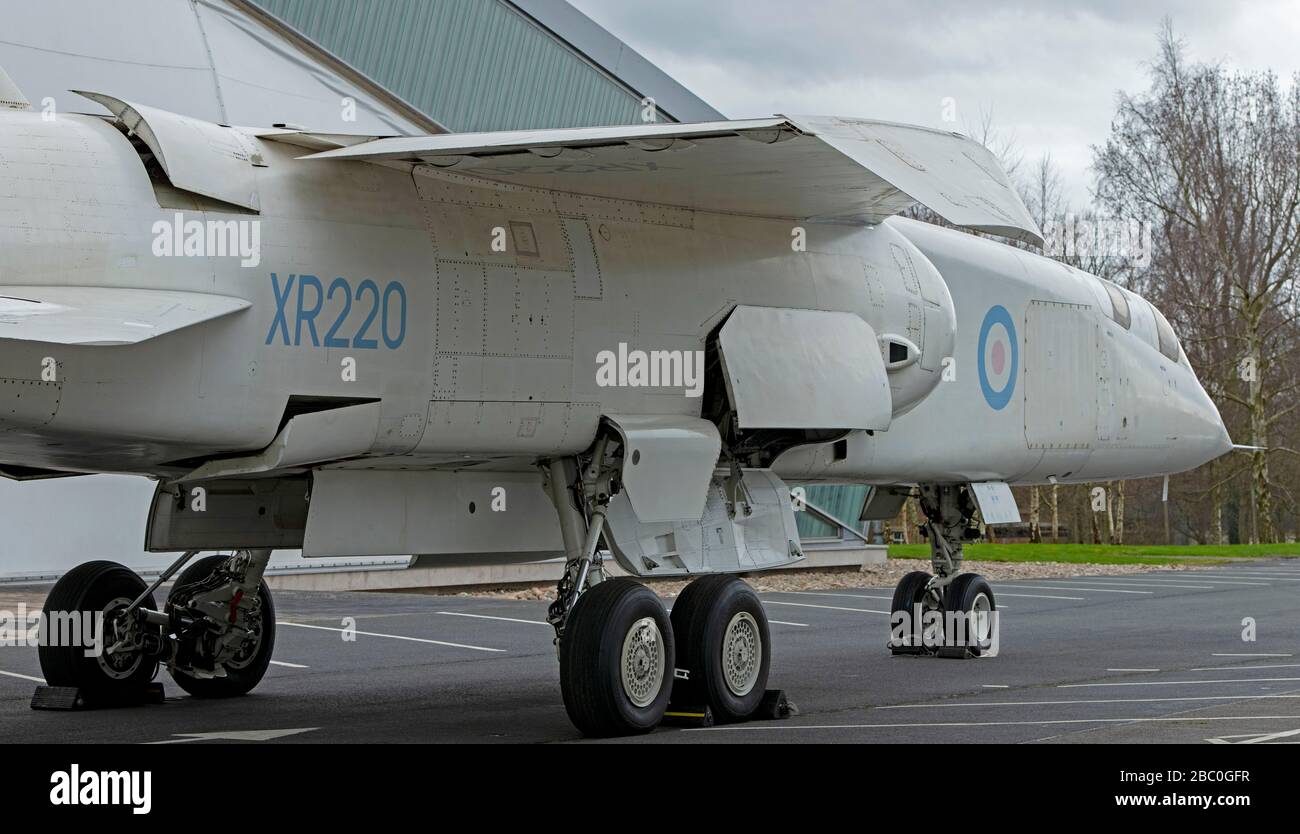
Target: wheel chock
x=75, y=698
x=774, y=707
x=679, y=715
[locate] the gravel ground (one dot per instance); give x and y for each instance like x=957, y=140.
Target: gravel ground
x=884, y=575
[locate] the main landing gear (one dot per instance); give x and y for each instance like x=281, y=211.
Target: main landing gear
x=215, y=634
x=945, y=613
x=622, y=657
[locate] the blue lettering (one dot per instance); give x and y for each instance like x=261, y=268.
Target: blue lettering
x=280, y=298
x=305, y=315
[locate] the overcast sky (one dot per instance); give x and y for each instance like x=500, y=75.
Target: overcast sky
x=1048, y=70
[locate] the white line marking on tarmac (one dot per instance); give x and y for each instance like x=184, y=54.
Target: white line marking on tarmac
x=1173, y=582
x=936, y=724
x=289, y=665
x=1135, y=670
x=395, y=637
x=826, y=607
x=997, y=585
x=829, y=594
x=1240, y=668
x=1173, y=683
x=489, y=617
x=1038, y=596
x=1092, y=701
x=995, y=686
x=1257, y=576
x=1251, y=654
x=41, y=681
x=783, y=622
x=1124, y=583
x=234, y=735
x=1266, y=738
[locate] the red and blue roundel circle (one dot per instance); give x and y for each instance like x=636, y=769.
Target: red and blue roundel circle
x=998, y=357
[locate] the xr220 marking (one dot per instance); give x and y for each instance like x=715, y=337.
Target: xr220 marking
x=388, y=306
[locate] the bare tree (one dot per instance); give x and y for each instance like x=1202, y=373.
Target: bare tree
x=1210, y=157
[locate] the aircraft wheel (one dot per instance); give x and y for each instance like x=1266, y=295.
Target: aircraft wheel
x=908, y=593
x=970, y=593
x=724, y=646
x=245, y=670
x=103, y=588
x=617, y=660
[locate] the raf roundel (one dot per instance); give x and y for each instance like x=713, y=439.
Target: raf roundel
x=998, y=357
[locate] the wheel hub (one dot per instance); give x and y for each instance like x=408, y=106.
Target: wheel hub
x=121, y=664
x=642, y=662
x=981, y=618
x=742, y=653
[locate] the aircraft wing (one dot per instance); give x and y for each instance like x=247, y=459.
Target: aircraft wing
x=104, y=315
x=806, y=168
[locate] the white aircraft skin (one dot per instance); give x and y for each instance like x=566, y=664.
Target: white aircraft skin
x=420, y=333
x=1151, y=416
x=220, y=388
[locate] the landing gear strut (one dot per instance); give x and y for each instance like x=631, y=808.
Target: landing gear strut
x=948, y=613
x=621, y=657
x=614, y=636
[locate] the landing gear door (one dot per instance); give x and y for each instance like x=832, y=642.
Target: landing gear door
x=668, y=461
x=748, y=525
x=804, y=369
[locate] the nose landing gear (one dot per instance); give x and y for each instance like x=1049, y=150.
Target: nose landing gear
x=947, y=613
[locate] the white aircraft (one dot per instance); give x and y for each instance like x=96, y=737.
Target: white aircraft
x=621, y=340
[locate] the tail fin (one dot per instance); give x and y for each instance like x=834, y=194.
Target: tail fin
x=11, y=98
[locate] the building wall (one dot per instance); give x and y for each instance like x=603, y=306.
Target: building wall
x=471, y=65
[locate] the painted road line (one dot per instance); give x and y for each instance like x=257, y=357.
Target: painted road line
x=1155, y=580
x=995, y=686
x=489, y=617
x=1173, y=683
x=1039, y=596
x=289, y=665
x=1135, y=670
x=1094, y=701
x=825, y=607
x=785, y=623
x=1243, y=668
x=829, y=594
x=997, y=585
x=1253, y=576
x=1251, y=654
x=1124, y=583
x=886, y=599
x=394, y=637
x=41, y=681
x=1264, y=739
x=759, y=726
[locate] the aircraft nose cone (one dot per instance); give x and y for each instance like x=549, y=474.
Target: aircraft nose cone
x=1209, y=434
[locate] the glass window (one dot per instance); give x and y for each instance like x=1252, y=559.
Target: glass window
x=1168, y=341
x=1118, y=304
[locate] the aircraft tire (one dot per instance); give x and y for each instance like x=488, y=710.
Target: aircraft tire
x=617, y=660
x=93, y=587
x=243, y=672
x=724, y=647
x=971, y=593
x=909, y=592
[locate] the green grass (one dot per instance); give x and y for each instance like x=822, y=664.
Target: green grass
x=1105, y=554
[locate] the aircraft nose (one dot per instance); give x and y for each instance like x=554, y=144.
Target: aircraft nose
x=1207, y=431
